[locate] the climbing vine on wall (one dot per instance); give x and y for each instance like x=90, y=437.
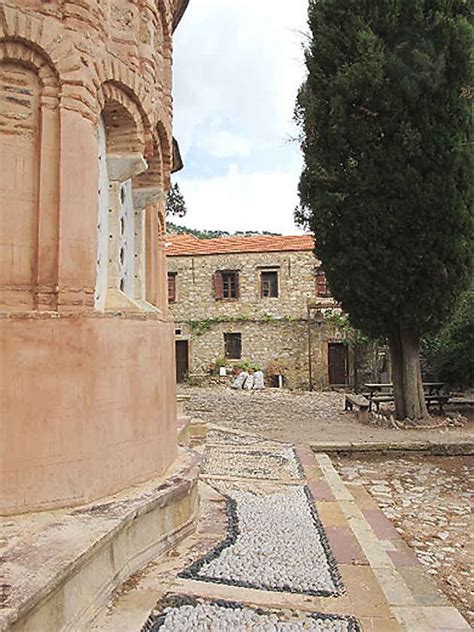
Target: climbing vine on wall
x=352, y=336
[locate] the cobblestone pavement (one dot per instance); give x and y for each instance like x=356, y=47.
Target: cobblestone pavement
x=282, y=545
x=429, y=501
x=317, y=416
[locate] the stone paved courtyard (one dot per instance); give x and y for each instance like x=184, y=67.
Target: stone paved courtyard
x=283, y=544
x=429, y=500
x=299, y=417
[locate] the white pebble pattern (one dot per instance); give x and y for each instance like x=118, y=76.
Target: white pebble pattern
x=213, y=618
x=278, y=547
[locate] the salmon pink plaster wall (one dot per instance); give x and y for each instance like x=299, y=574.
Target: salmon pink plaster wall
x=87, y=390
x=91, y=407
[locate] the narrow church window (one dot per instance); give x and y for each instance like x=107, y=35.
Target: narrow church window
x=103, y=221
x=269, y=284
x=126, y=240
x=171, y=287
x=233, y=346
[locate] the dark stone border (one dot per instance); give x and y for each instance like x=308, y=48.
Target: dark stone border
x=299, y=476
x=157, y=618
x=397, y=449
x=192, y=571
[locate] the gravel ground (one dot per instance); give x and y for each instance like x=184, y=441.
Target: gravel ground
x=209, y=617
x=296, y=417
x=429, y=501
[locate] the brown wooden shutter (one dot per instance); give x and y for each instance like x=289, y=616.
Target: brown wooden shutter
x=218, y=286
x=171, y=288
x=321, y=284
x=237, y=285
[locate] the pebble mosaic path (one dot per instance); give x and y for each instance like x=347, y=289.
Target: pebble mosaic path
x=282, y=546
x=276, y=542
x=182, y=613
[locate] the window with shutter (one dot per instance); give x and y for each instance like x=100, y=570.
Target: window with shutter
x=269, y=284
x=218, y=285
x=171, y=287
x=322, y=288
x=226, y=284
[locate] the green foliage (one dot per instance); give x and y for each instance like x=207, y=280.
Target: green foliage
x=269, y=318
x=200, y=327
x=385, y=121
x=352, y=336
x=450, y=354
x=175, y=204
x=213, y=234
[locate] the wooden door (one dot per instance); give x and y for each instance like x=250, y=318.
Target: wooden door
x=182, y=360
x=337, y=363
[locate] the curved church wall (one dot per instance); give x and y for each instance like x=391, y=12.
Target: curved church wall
x=87, y=385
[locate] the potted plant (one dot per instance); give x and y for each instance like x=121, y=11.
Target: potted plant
x=274, y=373
x=221, y=367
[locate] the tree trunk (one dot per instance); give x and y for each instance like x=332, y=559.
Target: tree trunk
x=406, y=376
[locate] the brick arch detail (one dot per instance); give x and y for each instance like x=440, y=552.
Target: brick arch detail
x=21, y=28
x=153, y=176
x=40, y=291
x=112, y=92
x=113, y=75
x=20, y=52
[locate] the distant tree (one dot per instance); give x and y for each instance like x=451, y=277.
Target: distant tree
x=175, y=204
x=450, y=354
x=385, y=120
x=213, y=234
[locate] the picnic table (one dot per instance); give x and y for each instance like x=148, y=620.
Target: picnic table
x=382, y=393
x=432, y=388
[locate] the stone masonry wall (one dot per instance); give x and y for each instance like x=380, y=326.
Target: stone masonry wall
x=272, y=329
x=195, y=292
x=280, y=342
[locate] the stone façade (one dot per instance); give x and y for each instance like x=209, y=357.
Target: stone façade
x=273, y=330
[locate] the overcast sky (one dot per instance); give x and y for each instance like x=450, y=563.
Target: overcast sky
x=237, y=67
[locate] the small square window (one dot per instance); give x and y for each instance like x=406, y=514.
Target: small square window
x=269, y=284
x=226, y=284
x=233, y=346
x=171, y=287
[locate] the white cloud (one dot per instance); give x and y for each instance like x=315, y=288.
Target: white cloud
x=238, y=201
x=238, y=65
x=224, y=144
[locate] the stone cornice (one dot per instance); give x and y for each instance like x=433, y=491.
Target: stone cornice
x=180, y=7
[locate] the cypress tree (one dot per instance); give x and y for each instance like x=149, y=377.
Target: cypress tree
x=385, y=120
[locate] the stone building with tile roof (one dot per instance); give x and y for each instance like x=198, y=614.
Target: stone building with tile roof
x=246, y=300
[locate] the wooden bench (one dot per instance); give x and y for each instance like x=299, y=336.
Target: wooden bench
x=461, y=401
x=440, y=400
x=361, y=404
x=431, y=400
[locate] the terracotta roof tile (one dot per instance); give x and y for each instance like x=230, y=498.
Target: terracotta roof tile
x=188, y=245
